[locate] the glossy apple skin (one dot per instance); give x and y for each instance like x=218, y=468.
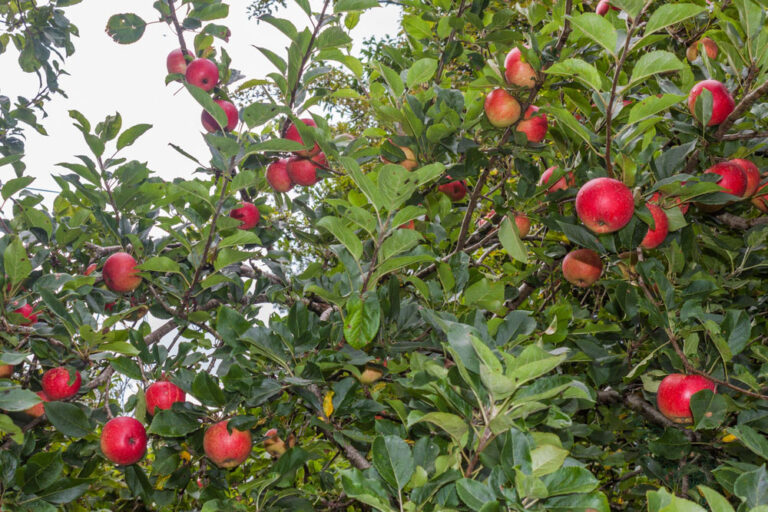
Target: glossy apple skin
x=175, y=62
x=56, y=383
x=654, y=237
x=751, y=172
x=582, y=267
x=277, y=176
x=248, y=214
x=303, y=171
x=709, y=46
x=210, y=124
x=124, y=440
x=410, y=163
x=761, y=201
x=38, y=410
x=733, y=180
x=533, y=126
x=224, y=449
x=27, y=311
x=501, y=108
x=523, y=224
x=518, y=72
x=292, y=133
x=603, y=6
x=6, y=370
x=455, y=190
x=203, y=73
x=674, y=395
x=565, y=181
x=722, y=101
x=120, y=273
x=162, y=395
x=605, y=205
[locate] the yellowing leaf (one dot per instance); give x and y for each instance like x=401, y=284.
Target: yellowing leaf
x=328, y=404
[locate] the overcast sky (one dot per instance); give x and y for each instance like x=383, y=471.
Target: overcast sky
x=108, y=77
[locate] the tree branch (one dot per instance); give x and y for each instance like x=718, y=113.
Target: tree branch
x=177, y=26
x=746, y=101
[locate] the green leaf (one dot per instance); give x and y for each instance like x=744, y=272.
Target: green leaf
x=451, y=423
x=393, y=459
x=210, y=106
x=160, y=264
x=126, y=28
x=752, y=486
x=533, y=362
x=354, y=5
x=363, y=182
x=14, y=185
x=332, y=37
x=570, y=480
x=547, y=459
x=709, y=409
x=398, y=242
x=396, y=185
x=670, y=14
x=474, y=494
x=393, y=80
x=653, y=105
x=361, y=322
x=421, y=71
x=715, y=500
x=17, y=399
x=241, y=237
x=582, y=71
x=69, y=419
x=653, y=63
x=368, y=491
x=597, y=28
x=7, y=426
x=168, y=423
x=756, y=442
x=207, y=390
x=256, y=114
x=397, y=263
x=510, y=241
x=343, y=234
x=16, y=262
x=130, y=135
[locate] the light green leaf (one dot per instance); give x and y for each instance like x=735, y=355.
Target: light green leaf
x=580, y=70
x=653, y=63
x=669, y=14
x=421, y=71
x=160, y=264
x=510, y=240
x=343, y=234
x=598, y=29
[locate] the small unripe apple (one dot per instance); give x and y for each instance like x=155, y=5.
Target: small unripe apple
x=709, y=46
x=751, y=172
x=455, y=190
x=603, y=6
x=163, y=395
x=303, y=171
x=654, y=237
x=248, y=215
x=410, y=163
x=277, y=176
x=722, y=101
x=27, y=311
x=761, y=201
x=565, y=181
x=124, y=440
x=674, y=395
x=6, y=370
x=203, y=73
x=501, y=108
x=120, y=273
x=523, y=224
x=57, y=386
x=273, y=444
x=582, y=267
x=176, y=62
x=210, y=124
x=533, y=126
x=292, y=133
x=38, y=410
x=518, y=72
x=605, y=205
x=226, y=449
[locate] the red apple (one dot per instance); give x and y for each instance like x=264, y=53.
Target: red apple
x=582, y=267
x=303, y=171
x=176, y=62
x=27, y=311
x=722, y=101
x=674, y=395
x=248, y=214
x=523, y=224
x=733, y=180
x=410, y=163
x=605, y=205
x=501, y=108
x=751, y=172
x=38, y=410
x=90, y=269
x=57, y=384
x=565, y=181
x=6, y=370
x=163, y=395
x=518, y=72
x=226, y=449
x=455, y=190
x=761, y=201
x=292, y=133
x=273, y=444
x=277, y=176
x=124, y=440
x=210, y=124
x=120, y=273
x=203, y=73
x=654, y=237
x=408, y=225
x=534, y=128
x=603, y=6
x=709, y=46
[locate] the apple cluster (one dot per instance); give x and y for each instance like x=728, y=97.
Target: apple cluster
x=300, y=169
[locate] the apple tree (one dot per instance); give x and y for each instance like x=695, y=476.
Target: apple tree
x=510, y=258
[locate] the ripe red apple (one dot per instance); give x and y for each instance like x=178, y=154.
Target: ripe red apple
x=518, y=72
x=709, y=46
x=277, y=176
x=120, y=273
x=605, y=205
x=751, y=172
x=408, y=225
x=501, y=108
x=27, y=311
x=90, y=269
x=534, y=127
x=273, y=444
x=761, y=201
x=124, y=440
x=56, y=383
x=565, y=181
x=455, y=190
x=6, y=370
x=582, y=267
x=674, y=395
x=303, y=171
x=247, y=214
x=603, y=6
x=210, y=124
x=225, y=449
x=523, y=224
x=410, y=163
x=733, y=180
x=654, y=237
x=38, y=410
x=292, y=133
x=163, y=395
x=203, y=73
x=176, y=62
x=722, y=101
